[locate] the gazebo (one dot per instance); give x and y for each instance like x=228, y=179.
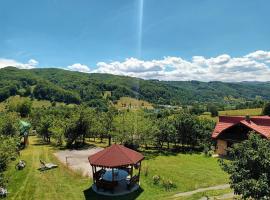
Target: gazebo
x=116, y=170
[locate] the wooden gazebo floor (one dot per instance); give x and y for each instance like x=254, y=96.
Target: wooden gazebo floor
x=119, y=190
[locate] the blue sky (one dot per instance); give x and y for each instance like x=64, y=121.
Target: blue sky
x=99, y=34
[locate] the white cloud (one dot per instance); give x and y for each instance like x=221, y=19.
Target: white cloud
x=9, y=62
x=79, y=67
x=254, y=66
x=259, y=55
x=251, y=67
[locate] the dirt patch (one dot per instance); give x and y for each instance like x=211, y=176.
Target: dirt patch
x=77, y=160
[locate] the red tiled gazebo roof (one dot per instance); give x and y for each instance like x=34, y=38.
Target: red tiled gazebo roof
x=115, y=156
x=260, y=124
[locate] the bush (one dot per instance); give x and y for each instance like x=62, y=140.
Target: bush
x=156, y=179
x=168, y=184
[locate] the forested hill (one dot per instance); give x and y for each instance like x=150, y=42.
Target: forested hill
x=75, y=87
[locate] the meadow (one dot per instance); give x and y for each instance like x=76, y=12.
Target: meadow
x=128, y=102
x=242, y=112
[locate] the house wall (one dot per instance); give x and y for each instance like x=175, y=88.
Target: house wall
x=221, y=147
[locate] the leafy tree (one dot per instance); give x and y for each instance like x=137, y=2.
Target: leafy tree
x=20, y=105
x=9, y=124
x=24, y=108
x=44, y=127
x=249, y=169
x=166, y=133
x=266, y=109
x=78, y=126
x=57, y=130
x=213, y=110
x=9, y=144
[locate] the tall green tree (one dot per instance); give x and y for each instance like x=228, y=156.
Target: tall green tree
x=78, y=126
x=249, y=169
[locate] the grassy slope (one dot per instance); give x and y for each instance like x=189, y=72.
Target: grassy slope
x=187, y=171
x=35, y=103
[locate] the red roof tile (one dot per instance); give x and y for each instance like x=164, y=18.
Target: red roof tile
x=260, y=124
x=115, y=156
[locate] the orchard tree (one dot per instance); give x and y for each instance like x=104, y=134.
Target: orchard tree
x=24, y=108
x=108, y=122
x=166, y=132
x=44, y=127
x=79, y=125
x=9, y=124
x=249, y=169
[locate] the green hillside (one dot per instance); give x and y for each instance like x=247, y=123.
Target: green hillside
x=75, y=87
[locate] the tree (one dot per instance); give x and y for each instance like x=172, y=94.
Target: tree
x=24, y=108
x=78, y=126
x=9, y=125
x=266, y=109
x=57, y=130
x=9, y=144
x=249, y=169
x=108, y=122
x=44, y=127
x=166, y=132
x=213, y=110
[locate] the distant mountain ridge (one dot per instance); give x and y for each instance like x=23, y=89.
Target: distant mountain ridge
x=76, y=87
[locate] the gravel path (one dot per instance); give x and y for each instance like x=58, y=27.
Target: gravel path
x=77, y=160
x=221, y=197
x=218, y=187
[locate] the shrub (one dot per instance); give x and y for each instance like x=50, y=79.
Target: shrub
x=168, y=185
x=156, y=179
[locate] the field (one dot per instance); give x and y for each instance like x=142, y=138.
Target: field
x=251, y=112
x=186, y=171
x=243, y=112
x=128, y=102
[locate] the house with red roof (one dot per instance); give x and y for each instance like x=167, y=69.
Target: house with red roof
x=234, y=129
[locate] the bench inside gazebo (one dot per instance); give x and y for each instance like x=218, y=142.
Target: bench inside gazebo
x=116, y=170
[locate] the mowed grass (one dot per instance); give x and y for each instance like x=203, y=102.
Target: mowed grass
x=186, y=171
x=30, y=183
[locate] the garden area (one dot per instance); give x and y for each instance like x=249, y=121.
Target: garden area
x=184, y=172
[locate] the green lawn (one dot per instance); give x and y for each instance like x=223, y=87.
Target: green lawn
x=187, y=171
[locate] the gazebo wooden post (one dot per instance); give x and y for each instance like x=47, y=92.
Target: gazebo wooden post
x=112, y=174
x=93, y=174
x=131, y=171
x=140, y=169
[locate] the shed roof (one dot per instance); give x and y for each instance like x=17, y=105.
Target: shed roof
x=260, y=124
x=115, y=156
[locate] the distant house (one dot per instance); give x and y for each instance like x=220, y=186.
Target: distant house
x=234, y=129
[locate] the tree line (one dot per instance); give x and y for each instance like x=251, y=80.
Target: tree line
x=133, y=128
